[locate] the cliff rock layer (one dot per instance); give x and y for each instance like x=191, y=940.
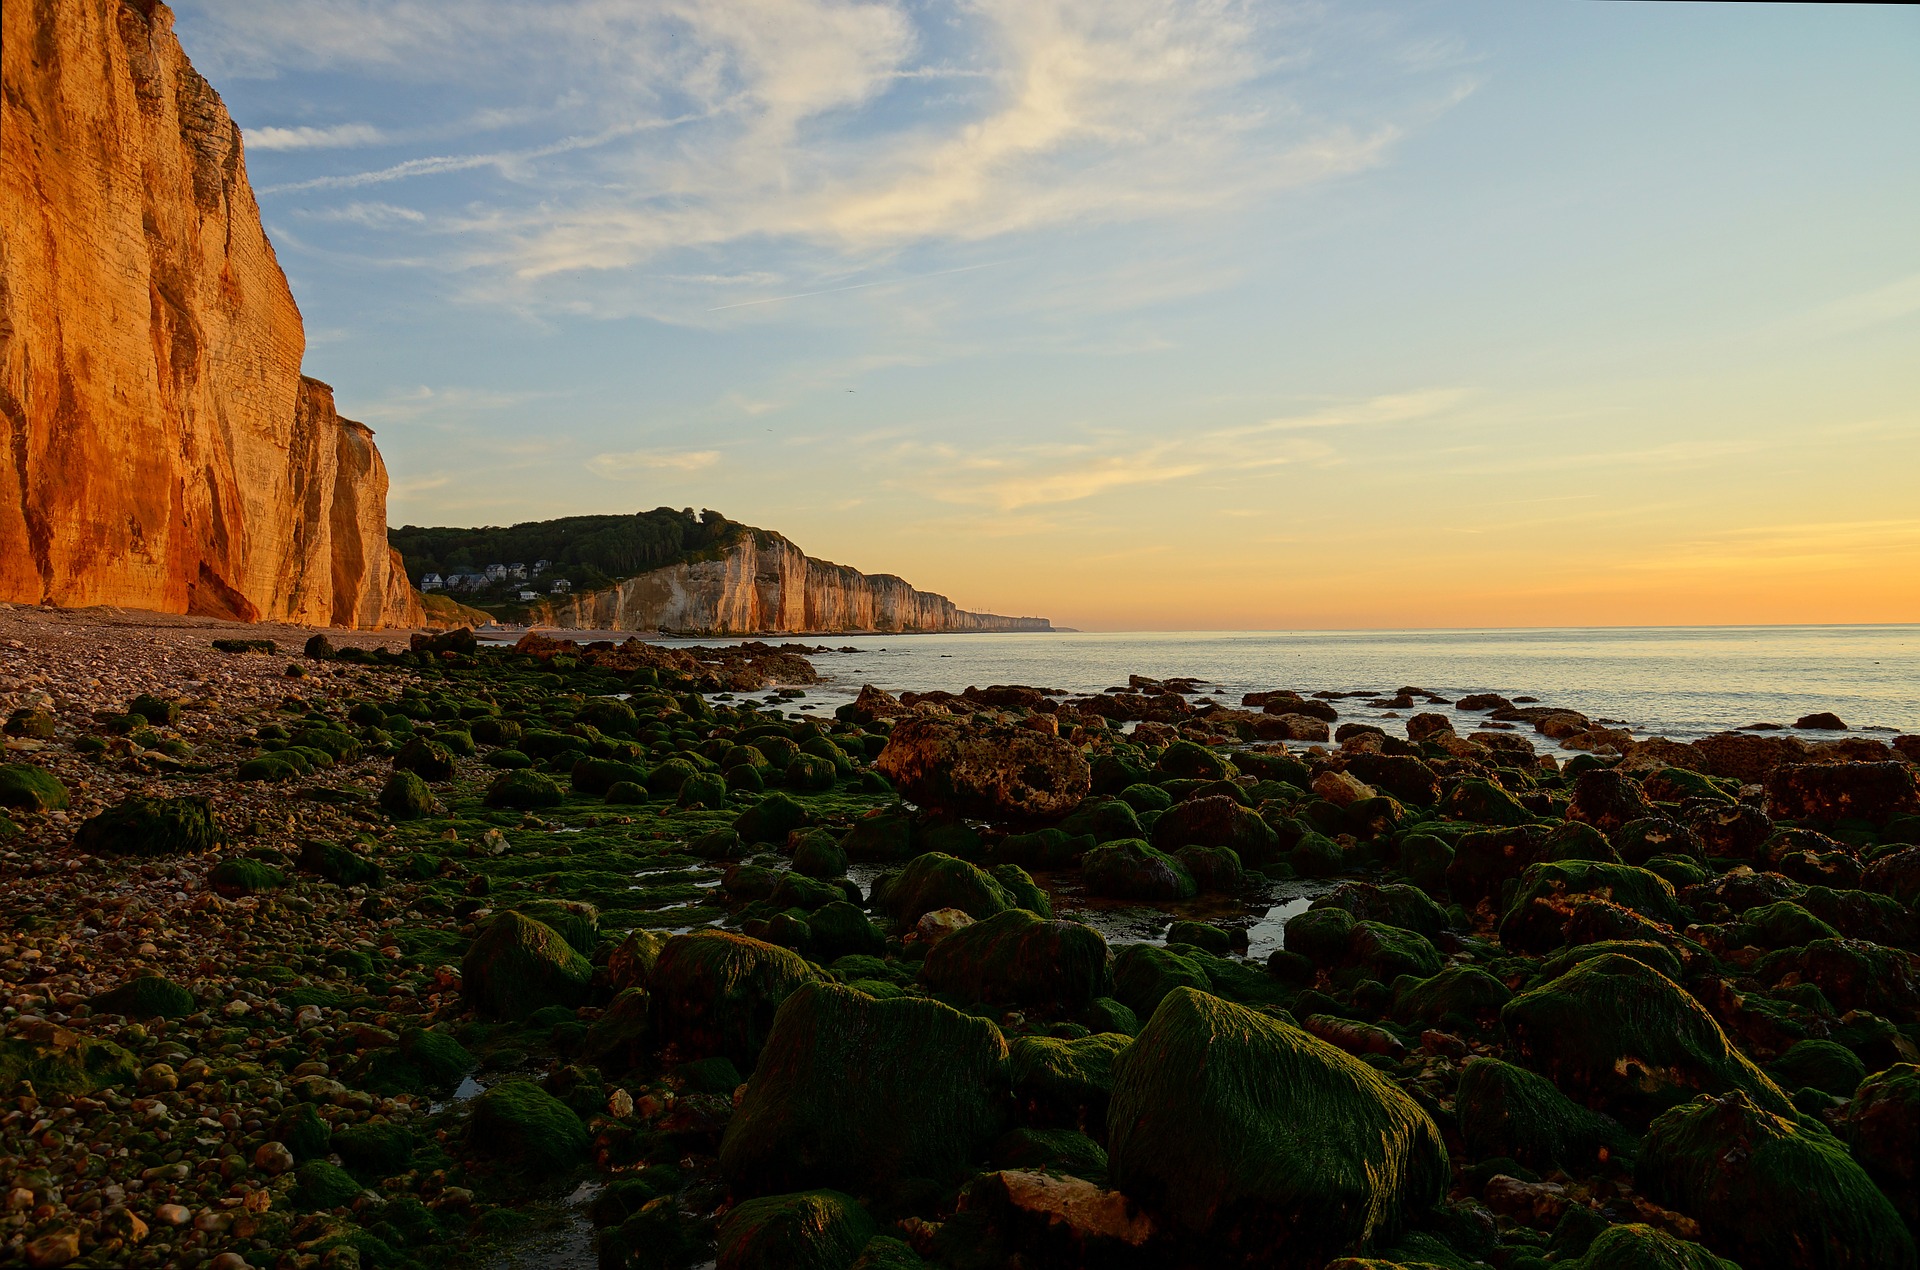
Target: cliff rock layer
x=763, y=583
x=159, y=448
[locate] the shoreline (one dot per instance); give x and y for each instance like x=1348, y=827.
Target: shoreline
x=456, y=941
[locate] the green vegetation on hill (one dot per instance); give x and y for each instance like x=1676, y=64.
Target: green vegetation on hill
x=589, y=551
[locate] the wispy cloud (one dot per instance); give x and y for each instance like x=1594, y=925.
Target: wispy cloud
x=340, y=136
x=424, y=404
x=1037, y=475
x=613, y=466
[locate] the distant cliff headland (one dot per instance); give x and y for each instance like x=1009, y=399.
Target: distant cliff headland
x=162, y=449
x=668, y=570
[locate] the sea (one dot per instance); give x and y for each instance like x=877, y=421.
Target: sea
x=1677, y=682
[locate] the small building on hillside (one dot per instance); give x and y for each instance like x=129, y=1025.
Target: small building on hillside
x=561, y=586
x=541, y=566
x=528, y=596
x=496, y=572
x=518, y=572
x=431, y=582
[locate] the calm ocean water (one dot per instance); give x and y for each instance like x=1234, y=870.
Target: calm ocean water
x=1679, y=682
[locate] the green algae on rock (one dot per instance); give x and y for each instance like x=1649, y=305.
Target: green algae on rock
x=28, y=788
x=936, y=880
x=716, y=993
x=520, y=1120
x=1629, y=1040
x=145, y=997
x=1770, y=1191
x=1131, y=869
x=524, y=790
x=57, y=1061
x=1640, y=1247
x=1017, y=958
x=517, y=965
x=852, y=1091
x=809, y=1230
x=1508, y=1112
x=1254, y=1135
x=152, y=827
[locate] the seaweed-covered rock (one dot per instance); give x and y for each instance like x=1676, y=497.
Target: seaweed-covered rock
x=239, y=875
x=405, y=796
x=1855, y=974
x=934, y=881
x=1253, y=1135
x=517, y=965
x=1061, y=1081
x=1769, y=1191
x=1016, y=958
x=1825, y=792
x=145, y=997
x=1482, y=802
x=319, y=1186
x=1217, y=821
x=1455, y=992
x=337, y=864
x=840, y=929
x=519, y=1120
x=60, y=1062
x=716, y=993
x=1628, y=1040
x=524, y=790
x=152, y=826
x=771, y=819
x=1395, y=904
x=1550, y=892
x=1485, y=859
x=1608, y=800
x=30, y=788
x=1143, y=974
x=1883, y=1127
x=1818, y=1064
x=819, y=854
x=811, y=1230
x=429, y=760
x=1641, y=1247
x=1508, y=1112
x=1130, y=869
x=984, y=771
x=1639, y=841
x=853, y=1091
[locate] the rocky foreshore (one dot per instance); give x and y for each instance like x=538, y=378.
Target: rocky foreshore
x=336, y=951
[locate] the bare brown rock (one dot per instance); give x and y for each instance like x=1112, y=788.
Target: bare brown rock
x=984, y=771
x=164, y=451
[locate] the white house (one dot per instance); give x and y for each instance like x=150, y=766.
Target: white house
x=561, y=586
x=541, y=566
x=495, y=572
x=529, y=595
x=518, y=572
x=431, y=582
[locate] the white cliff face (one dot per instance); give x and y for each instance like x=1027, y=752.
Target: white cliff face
x=763, y=583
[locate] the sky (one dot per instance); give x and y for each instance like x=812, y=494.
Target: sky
x=1134, y=314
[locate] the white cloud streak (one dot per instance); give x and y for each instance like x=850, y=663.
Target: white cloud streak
x=615, y=466
x=339, y=136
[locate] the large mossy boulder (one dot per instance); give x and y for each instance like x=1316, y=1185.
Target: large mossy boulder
x=1550, y=892
x=1769, y=1190
x=811, y=1230
x=936, y=880
x=1065, y=1081
x=152, y=827
x=1252, y=1135
x=1883, y=1127
x=854, y=1092
x=145, y=997
x=519, y=1121
x=427, y=759
x=1509, y=1112
x=1017, y=959
x=1607, y=800
x=771, y=819
x=1624, y=1038
x=1131, y=869
x=524, y=790
x=967, y=769
x=716, y=994
x=1143, y=974
x=1821, y=793
x=1482, y=802
x=60, y=1062
x=406, y=796
x=1641, y=1247
x=517, y=965
x=1395, y=904
x=28, y=788
x=1217, y=821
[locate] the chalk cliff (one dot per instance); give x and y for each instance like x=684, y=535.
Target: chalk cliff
x=761, y=582
x=159, y=448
